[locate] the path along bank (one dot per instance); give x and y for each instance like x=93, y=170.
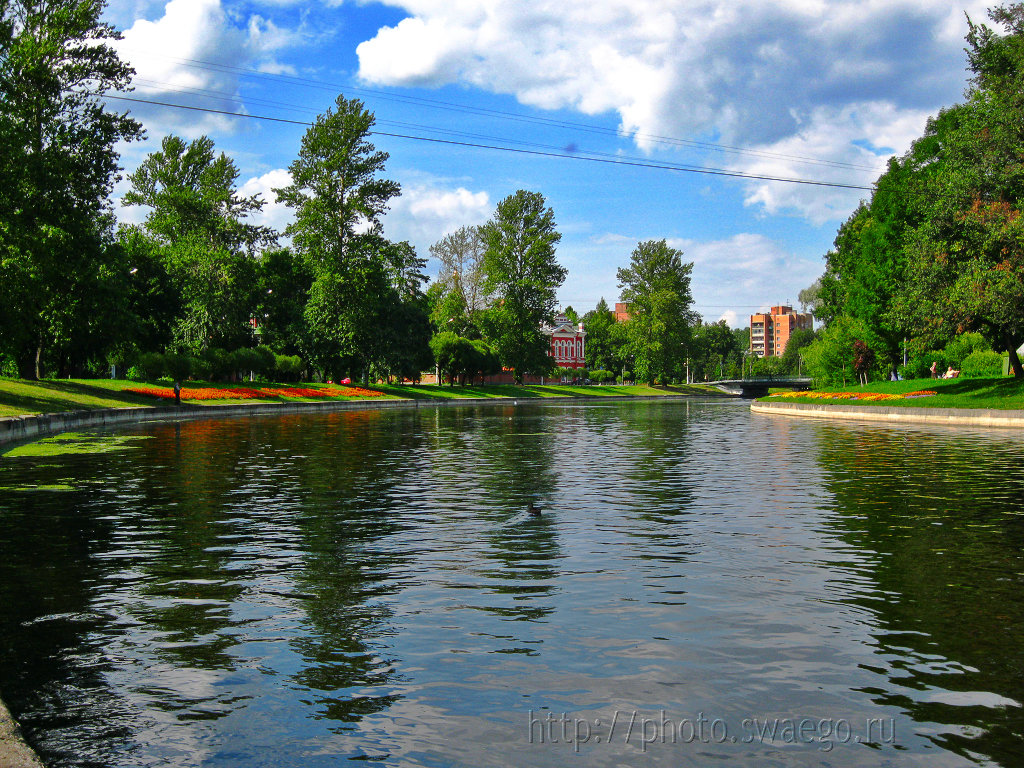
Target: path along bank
x=967, y=417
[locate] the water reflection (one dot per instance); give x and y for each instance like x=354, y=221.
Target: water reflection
x=366, y=585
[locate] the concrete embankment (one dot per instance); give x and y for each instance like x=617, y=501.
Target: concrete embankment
x=968, y=417
x=14, y=752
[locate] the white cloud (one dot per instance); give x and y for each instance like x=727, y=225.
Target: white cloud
x=735, y=277
x=165, y=54
x=426, y=212
x=803, y=77
x=274, y=214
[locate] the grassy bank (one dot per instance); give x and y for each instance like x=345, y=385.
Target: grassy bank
x=21, y=398
x=1001, y=393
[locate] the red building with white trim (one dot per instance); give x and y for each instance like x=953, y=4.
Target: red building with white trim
x=568, y=343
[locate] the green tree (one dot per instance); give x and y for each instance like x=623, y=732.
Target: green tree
x=790, y=360
x=712, y=345
x=601, y=349
x=967, y=265
x=830, y=358
x=521, y=274
x=59, y=270
x=459, y=281
x=197, y=219
x=660, y=328
x=338, y=201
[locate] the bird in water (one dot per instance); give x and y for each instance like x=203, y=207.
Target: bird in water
x=535, y=511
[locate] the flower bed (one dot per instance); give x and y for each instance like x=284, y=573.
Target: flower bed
x=244, y=393
x=862, y=396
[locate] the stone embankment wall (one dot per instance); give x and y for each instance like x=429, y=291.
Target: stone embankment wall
x=967, y=417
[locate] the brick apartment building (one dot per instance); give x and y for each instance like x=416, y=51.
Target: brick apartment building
x=770, y=332
x=621, y=312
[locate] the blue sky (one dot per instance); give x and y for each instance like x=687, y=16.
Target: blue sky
x=809, y=89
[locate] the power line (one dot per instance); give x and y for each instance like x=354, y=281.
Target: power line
x=449, y=106
x=518, y=150
x=432, y=129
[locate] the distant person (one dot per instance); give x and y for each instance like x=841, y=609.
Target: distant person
x=932, y=369
x=177, y=393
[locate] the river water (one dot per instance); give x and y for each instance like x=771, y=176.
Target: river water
x=704, y=584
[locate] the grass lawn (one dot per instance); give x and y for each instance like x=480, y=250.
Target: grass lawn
x=1004, y=393
x=20, y=398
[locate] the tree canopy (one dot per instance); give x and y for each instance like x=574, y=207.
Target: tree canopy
x=521, y=275
x=660, y=327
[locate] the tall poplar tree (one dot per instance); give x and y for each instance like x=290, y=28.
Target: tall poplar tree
x=521, y=275
x=656, y=285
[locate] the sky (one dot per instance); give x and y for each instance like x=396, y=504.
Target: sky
x=816, y=90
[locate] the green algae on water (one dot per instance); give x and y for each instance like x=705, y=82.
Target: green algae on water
x=32, y=488
x=70, y=443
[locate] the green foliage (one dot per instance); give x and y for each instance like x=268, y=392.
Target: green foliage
x=982, y=364
x=152, y=365
x=178, y=366
x=967, y=266
x=830, y=357
x=603, y=344
x=713, y=344
x=798, y=340
x=59, y=274
x=766, y=367
x=963, y=345
x=454, y=354
x=283, y=283
x=659, y=331
x=920, y=366
x=459, y=287
x=289, y=367
x=521, y=275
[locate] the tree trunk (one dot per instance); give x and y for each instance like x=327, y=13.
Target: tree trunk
x=1018, y=370
x=39, y=358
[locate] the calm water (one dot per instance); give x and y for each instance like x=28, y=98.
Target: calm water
x=305, y=590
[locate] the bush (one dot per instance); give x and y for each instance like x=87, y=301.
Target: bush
x=151, y=365
x=982, y=364
x=178, y=367
x=919, y=366
x=246, y=362
x=218, y=364
x=963, y=346
x=265, y=359
x=8, y=368
x=288, y=366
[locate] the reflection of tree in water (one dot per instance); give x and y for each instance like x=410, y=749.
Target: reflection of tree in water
x=661, y=456
x=940, y=515
x=355, y=466
x=53, y=660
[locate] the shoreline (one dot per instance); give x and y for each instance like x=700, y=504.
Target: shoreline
x=968, y=417
x=16, y=428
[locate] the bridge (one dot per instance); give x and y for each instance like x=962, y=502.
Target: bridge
x=751, y=388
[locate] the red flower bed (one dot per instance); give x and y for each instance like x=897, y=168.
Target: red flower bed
x=242, y=393
x=212, y=393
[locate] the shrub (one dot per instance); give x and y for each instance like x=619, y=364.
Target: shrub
x=963, y=346
x=982, y=364
x=919, y=366
x=8, y=368
x=151, y=365
x=178, y=366
x=288, y=366
x=219, y=364
x=246, y=362
x=265, y=359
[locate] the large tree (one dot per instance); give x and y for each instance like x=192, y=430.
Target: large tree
x=601, y=349
x=58, y=163
x=521, y=275
x=199, y=224
x=460, y=281
x=967, y=268
x=656, y=285
x=339, y=200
